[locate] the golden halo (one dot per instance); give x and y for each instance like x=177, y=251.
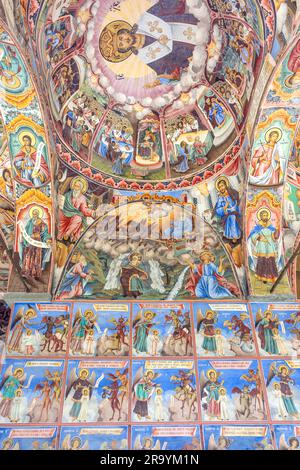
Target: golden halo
x=89, y=312
x=273, y=129
x=19, y=369
x=30, y=134
x=148, y=313
x=83, y=181
x=268, y=311
x=149, y=371
x=263, y=209
x=222, y=178
x=83, y=370
x=222, y=389
x=31, y=312
x=210, y=371
x=36, y=208
x=210, y=311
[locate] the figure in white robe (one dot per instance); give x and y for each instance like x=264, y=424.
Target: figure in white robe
x=219, y=342
x=282, y=413
x=280, y=343
x=158, y=404
x=84, y=410
x=268, y=163
x=89, y=343
x=154, y=343
x=16, y=407
x=223, y=400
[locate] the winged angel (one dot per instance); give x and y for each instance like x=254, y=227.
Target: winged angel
x=283, y=391
x=74, y=443
x=148, y=444
x=20, y=324
x=11, y=387
x=211, y=388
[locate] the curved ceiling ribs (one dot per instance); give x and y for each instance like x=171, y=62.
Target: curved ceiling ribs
x=142, y=95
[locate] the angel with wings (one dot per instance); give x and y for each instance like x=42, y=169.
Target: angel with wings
x=292, y=444
x=12, y=381
x=284, y=374
x=83, y=323
x=223, y=443
x=142, y=325
x=22, y=322
x=148, y=443
x=84, y=381
x=143, y=388
x=74, y=444
x=210, y=392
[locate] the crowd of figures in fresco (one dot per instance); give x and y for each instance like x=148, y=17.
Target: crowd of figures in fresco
x=159, y=375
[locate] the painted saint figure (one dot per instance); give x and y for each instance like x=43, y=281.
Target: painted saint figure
x=284, y=373
x=211, y=393
x=207, y=281
x=141, y=331
x=30, y=165
x=75, y=210
x=35, y=245
x=144, y=387
x=227, y=209
x=266, y=326
x=132, y=277
x=76, y=280
x=266, y=166
x=262, y=246
x=157, y=43
x=209, y=332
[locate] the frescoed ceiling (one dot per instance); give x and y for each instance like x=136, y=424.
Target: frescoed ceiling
x=149, y=149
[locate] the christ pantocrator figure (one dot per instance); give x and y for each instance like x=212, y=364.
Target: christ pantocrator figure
x=166, y=47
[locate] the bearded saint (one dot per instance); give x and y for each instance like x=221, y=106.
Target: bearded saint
x=72, y=217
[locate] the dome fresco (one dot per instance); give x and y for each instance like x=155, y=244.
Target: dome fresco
x=150, y=87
